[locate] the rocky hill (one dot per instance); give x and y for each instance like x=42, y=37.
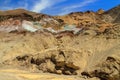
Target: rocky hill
x=114, y=13
x=35, y=46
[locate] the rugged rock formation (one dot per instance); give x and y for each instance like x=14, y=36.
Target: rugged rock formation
x=114, y=13
x=85, y=44
x=21, y=14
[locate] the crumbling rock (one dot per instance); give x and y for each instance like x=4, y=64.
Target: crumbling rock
x=107, y=70
x=56, y=63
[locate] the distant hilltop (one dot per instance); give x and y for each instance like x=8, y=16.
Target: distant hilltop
x=99, y=22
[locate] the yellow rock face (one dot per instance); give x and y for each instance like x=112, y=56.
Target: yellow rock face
x=30, y=53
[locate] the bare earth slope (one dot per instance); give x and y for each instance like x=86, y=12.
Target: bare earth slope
x=77, y=46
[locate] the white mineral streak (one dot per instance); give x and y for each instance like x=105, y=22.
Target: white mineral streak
x=34, y=26
x=28, y=26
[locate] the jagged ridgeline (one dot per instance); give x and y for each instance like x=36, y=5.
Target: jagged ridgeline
x=114, y=13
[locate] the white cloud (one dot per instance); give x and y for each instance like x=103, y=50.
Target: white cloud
x=40, y=5
x=65, y=12
x=49, y=6
x=43, y=4
x=67, y=9
x=82, y=4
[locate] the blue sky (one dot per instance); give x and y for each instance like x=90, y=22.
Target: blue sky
x=58, y=7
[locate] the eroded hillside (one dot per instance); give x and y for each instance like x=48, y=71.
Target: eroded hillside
x=85, y=45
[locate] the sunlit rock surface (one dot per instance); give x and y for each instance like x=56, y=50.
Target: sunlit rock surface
x=77, y=46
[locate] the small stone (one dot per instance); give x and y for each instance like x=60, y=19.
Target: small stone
x=75, y=73
x=58, y=71
x=72, y=65
x=68, y=73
